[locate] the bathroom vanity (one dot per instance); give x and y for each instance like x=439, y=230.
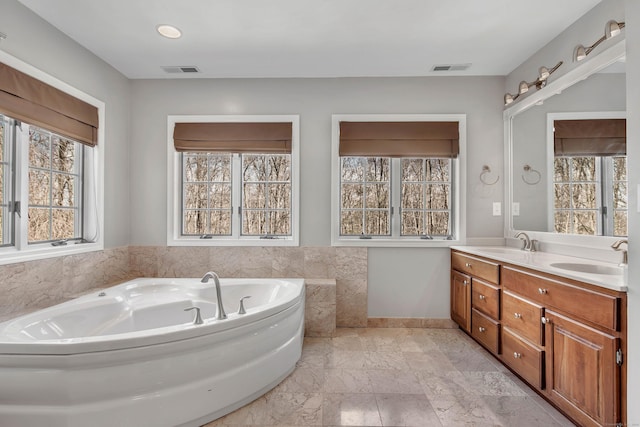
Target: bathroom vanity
x=558, y=322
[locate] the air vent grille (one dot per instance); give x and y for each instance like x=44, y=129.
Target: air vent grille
x=451, y=67
x=181, y=69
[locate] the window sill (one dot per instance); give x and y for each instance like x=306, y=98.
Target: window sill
x=44, y=251
x=232, y=242
x=395, y=243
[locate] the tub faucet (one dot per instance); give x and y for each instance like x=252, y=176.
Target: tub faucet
x=216, y=280
x=616, y=247
x=527, y=244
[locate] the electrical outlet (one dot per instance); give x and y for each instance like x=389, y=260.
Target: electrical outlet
x=515, y=209
x=497, y=209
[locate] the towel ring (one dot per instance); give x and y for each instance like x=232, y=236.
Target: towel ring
x=529, y=169
x=485, y=170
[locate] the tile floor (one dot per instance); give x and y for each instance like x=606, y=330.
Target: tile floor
x=397, y=377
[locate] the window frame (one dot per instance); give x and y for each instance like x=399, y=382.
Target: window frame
x=458, y=186
x=93, y=186
x=174, y=186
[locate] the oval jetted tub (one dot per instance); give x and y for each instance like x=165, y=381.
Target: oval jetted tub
x=132, y=356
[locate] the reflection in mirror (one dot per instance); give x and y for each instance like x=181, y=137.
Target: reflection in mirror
x=569, y=206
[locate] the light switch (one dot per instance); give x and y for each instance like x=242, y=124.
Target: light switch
x=515, y=209
x=497, y=209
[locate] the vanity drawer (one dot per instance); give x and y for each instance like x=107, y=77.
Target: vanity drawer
x=485, y=330
x=522, y=357
x=476, y=267
x=485, y=298
x=589, y=305
x=523, y=316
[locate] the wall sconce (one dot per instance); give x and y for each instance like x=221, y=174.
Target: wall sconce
x=539, y=83
x=612, y=29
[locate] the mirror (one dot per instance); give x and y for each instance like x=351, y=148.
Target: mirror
x=551, y=190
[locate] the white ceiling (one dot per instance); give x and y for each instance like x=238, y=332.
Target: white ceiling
x=319, y=38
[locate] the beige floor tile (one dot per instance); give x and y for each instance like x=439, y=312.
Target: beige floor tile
x=406, y=410
x=350, y=410
x=340, y=380
x=397, y=377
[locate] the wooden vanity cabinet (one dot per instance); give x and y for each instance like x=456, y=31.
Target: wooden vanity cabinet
x=475, y=298
x=564, y=338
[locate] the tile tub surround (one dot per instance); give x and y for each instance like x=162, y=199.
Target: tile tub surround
x=33, y=285
x=320, y=308
x=397, y=377
x=347, y=266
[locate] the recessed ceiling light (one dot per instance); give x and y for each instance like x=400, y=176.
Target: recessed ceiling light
x=169, y=31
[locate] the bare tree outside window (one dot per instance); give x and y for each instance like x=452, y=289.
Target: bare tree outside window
x=55, y=176
x=426, y=195
x=207, y=192
x=365, y=191
x=581, y=202
x=266, y=201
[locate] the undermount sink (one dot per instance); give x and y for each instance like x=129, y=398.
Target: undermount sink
x=588, y=268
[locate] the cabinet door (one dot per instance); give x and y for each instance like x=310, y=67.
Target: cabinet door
x=461, y=300
x=582, y=376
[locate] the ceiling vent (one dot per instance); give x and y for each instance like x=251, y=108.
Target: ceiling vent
x=451, y=67
x=181, y=69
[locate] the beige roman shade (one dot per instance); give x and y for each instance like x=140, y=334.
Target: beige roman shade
x=268, y=137
x=25, y=98
x=399, y=139
x=593, y=137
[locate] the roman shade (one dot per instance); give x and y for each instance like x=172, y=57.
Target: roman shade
x=244, y=137
x=399, y=139
x=593, y=137
x=25, y=98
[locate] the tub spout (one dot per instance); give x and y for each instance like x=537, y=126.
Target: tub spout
x=198, y=319
x=216, y=280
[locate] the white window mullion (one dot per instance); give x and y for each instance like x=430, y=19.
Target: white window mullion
x=236, y=195
x=396, y=197
x=22, y=185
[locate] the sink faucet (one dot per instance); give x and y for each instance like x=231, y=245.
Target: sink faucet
x=216, y=280
x=527, y=244
x=616, y=247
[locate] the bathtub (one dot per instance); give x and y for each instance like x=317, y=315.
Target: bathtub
x=131, y=356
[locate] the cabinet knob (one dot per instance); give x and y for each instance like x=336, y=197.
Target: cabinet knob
x=542, y=291
x=466, y=264
x=481, y=329
x=545, y=320
x=482, y=297
x=517, y=315
x=464, y=282
x=516, y=355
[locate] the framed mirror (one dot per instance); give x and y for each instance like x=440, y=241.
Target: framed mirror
x=560, y=179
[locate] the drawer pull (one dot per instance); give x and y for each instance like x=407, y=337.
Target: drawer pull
x=517, y=315
x=466, y=264
x=545, y=320
x=516, y=355
x=482, y=297
x=542, y=291
x=481, y=329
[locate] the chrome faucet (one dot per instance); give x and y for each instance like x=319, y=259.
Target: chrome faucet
x=216, y=280
x=198, y=319
x=616, y=247
x=527, y=243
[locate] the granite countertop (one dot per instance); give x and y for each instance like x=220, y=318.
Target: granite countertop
x=604, y=274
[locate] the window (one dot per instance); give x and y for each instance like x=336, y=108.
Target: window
x=50, y=167
x=235, y=180
x=589, y=174
x=590, y=195
x=408, y=194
